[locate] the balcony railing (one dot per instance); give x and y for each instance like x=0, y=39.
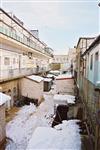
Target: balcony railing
x=24, y=40
x=17, y=73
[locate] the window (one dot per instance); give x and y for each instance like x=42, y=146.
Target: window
x=7, y=61
x=57, y=59
x=17, y=61
x=91, y=62
x=96, y=56
x=14, y=60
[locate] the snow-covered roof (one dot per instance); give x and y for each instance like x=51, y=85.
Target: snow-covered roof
x=47, y=79
x=98, y=83
x=4, y=98
x=64, y=99
x=35, y=78
x=64, y=76
x=63, y=136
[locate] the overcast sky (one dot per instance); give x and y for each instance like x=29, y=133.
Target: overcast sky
x=60, y=23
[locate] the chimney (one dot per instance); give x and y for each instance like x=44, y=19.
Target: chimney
x=35, y=33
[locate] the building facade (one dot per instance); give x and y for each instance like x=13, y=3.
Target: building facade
x=60, y=62
x=88, y=82
x=3, y=99
x=21, y=54
x=82, y=45
x=72, y=59
x=92, y=55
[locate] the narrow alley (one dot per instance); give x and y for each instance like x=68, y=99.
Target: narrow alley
x=29, y=119
x=49, y=75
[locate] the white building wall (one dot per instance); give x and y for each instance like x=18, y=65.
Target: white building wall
x=60, y=59
x=92, y=73
x=32, y=89
x=13, y=60
x=65, y=86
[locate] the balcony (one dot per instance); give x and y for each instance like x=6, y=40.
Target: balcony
x=10, y=74
x=25, y=40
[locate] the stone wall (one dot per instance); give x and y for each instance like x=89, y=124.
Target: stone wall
x=11, y=88
x=2, y=124
x=32, y=89
x=65, y=86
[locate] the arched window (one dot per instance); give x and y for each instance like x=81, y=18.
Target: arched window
x=14, y=90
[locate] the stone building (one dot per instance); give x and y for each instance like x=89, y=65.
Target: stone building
x=60, y=62
x=32, y=87
x=72, y=58
x=88, y=82
x=22, y=53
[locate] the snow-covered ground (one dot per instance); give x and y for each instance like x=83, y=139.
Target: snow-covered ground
x=64, y=136
x=64, y=99
x=21, y=128
x=30, y=120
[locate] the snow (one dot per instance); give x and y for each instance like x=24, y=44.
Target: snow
x=63, y=136
x=64, y=76
x=98, y=83
x=64, y=99
x=20, y=129
x=31, y=127
x=35, y=78
x=4, y=98
x=47, y=79
x=50, y=75
x=55, y=72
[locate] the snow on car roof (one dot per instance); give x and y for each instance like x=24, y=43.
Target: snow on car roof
x=67, y=99
x=35, y=78
x=4, y=98
x=63, y=136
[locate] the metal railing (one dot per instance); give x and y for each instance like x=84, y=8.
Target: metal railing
x=17, y=73
x=24, y=40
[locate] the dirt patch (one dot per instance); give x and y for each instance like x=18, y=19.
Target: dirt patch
x=10, y=114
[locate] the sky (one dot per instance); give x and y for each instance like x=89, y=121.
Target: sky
x=60, y=23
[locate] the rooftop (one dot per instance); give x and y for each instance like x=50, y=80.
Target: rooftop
x=35, y=78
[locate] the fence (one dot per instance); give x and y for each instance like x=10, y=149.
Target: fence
x=25, y=40
x=91, y=100
x=16, y=73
